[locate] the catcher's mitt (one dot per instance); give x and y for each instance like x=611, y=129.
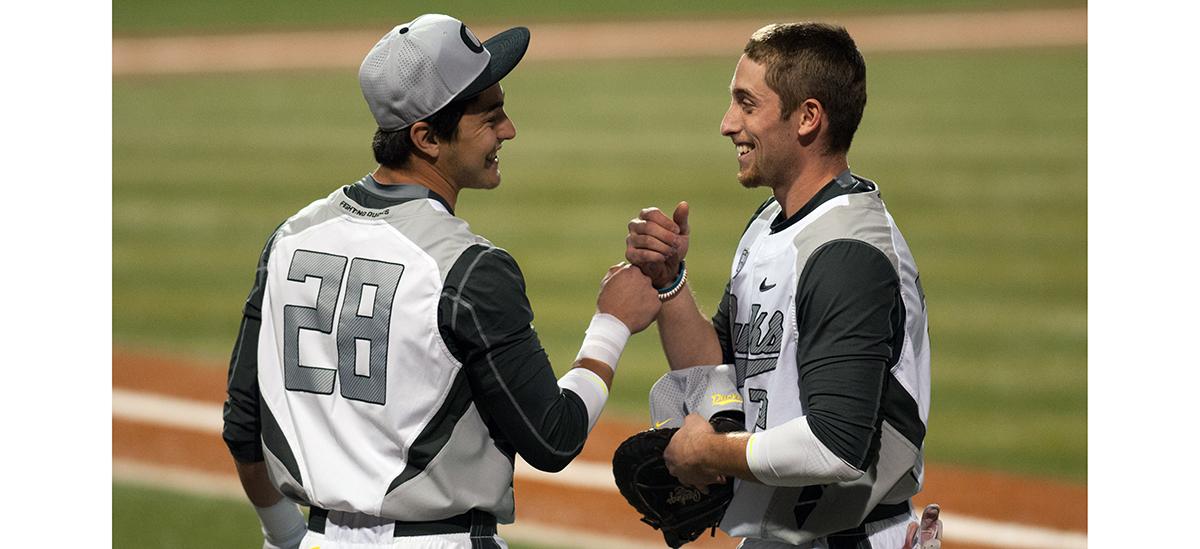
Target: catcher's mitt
x=681, y=512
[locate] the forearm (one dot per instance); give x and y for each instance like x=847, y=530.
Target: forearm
x=725, y=454
x=545, y=419
x=787, y=455
x=282, y=523
x=257, y=484
x=688, y=337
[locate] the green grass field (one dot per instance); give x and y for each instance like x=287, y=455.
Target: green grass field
x=981, y=157
x=183, y=521
x=134, y=17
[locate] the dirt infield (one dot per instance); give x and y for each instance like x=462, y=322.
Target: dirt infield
x=624, y=40
x=996, y=496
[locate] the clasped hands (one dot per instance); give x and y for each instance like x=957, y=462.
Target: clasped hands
x=654, y=248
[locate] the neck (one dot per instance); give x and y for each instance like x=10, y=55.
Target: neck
x=814, y=175
x=419, y=173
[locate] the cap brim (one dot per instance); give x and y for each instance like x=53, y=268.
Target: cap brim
x=507, y=49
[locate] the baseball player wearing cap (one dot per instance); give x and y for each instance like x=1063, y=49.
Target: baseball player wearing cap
x=386, y=373
x=823, y=317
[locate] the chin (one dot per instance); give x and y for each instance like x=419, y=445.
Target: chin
x=749, y=180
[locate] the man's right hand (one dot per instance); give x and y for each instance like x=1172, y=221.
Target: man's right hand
x=656, y=244
x=926, y=534
x=626, y=293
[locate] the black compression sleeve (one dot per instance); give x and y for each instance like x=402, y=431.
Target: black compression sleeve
x=485, y=319
x=850, y=324
x=242, y=429
x=722, y=324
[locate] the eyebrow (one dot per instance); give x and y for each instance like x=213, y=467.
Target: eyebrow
x=736, y=92
x=495, y=106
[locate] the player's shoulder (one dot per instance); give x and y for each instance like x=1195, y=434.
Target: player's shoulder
x=315, y=213
x=447, y=239
x=484, y=265
x=853, y=220
x=297, y=222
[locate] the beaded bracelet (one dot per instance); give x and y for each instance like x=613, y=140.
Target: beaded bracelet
x=665, y=294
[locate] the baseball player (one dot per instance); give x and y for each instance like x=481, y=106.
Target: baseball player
x=386, y=373
x=823, y=317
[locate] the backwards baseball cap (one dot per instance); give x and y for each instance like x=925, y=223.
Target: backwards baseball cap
x=421, y=66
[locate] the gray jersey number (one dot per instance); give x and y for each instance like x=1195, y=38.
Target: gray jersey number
x=362, y=326
x=760, y=396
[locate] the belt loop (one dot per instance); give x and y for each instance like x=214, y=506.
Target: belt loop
x=316, y=519
x=483, y=530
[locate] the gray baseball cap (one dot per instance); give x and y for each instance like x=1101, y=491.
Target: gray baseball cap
x=421, y=66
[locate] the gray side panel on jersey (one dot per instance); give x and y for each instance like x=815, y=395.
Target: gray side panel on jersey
x=468, y=468
x=436, y=433
x=704, y=390
x=281, y=462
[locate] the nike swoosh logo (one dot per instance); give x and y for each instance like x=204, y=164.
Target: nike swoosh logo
x=764, y=287
x=663, y=422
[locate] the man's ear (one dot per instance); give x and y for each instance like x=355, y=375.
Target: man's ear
x=424, y=140
x=809, y=118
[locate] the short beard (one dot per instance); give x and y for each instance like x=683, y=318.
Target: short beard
x=752, y=178
x=749, y=181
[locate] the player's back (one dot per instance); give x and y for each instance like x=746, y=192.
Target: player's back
x=364, y=407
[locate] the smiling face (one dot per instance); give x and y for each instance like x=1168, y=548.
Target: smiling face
x=766, y=144
x=470, y=160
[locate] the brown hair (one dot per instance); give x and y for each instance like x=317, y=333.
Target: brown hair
x=819, y=61
x=394, y=148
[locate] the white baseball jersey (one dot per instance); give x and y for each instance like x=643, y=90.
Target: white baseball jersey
x=824, y=318
x=387, y=365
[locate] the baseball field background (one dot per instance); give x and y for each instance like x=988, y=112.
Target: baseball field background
x=981, y=155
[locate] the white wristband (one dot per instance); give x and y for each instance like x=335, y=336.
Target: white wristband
x=282, y=524
x=591, y=390
x=605, y=340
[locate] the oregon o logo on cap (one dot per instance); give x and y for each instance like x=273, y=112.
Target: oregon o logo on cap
x=469, y=39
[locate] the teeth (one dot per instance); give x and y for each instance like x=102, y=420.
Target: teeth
x=743, y=149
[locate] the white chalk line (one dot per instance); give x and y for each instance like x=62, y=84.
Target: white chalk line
x=206, y=417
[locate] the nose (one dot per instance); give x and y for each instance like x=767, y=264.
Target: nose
x=731, y=122
x=506, y=130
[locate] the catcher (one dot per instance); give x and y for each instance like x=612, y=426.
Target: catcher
x=682, y=513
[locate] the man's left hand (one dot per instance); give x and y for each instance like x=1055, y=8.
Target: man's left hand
x=684, y=455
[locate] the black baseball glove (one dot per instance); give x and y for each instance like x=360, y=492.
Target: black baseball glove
x=681, y=512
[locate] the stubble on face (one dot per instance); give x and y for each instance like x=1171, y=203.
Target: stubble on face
x=755, y=126
x=750, y=178
x=473, y=154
